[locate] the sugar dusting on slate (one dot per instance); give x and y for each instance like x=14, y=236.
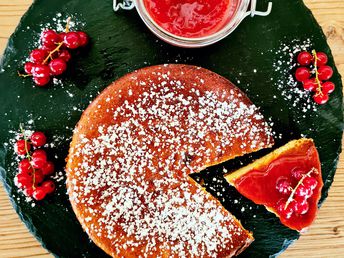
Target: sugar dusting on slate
x=133, y=177
x=291, y=90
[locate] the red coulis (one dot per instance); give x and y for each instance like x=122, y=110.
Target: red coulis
x=191, y=18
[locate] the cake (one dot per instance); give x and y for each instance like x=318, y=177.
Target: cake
x=132, y=153
x=287, y=181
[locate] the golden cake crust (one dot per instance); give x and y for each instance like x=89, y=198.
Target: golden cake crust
x=132, y=152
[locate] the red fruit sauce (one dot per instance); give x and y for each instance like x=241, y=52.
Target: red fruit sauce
x=191, y=18
x=261, y=186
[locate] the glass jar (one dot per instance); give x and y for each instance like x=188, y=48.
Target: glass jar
x=243, y=8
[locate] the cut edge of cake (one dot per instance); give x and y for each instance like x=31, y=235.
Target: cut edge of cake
x=267, y=159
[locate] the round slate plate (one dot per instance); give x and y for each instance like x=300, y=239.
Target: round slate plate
x=120, y=44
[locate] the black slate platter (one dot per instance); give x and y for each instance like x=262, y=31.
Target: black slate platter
x=121, y=43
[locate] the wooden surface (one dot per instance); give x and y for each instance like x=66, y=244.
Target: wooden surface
x=326, y=236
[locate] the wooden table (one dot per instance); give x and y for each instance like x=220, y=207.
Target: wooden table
x=326, y=236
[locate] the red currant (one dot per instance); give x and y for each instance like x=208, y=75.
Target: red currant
x=328, y=87
x=28, y=191
x=325, y=72
x=41, y=71
x=303, y=192
x=310, y=182
x=38, y=139
x=49, y=48
x=23, y=181
x=41, y=81
x=304, y=58
x=62, y=35
x=39, y=193
x=83, y=38
x=299, y=198
x=57, y=66
x=65, y=55
x=50, y=38
x=284, y=212
x=72, y=40
x=322, y=59
x=28, y=66
x=48, y=169
x=283, y=185
x=37, y=56
x=22, y=147
x=49, y=186
x=302, y=74
x=39, y=159
x=310, y=84
x=297, y=173
x=320, y=98
x=300, y=208
x=38, y=176
x=25, y=167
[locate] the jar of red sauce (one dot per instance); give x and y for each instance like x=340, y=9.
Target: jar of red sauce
x=193, y=23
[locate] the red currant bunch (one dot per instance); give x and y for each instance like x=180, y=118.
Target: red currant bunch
x=51, y=58
x=297, y=202
x=315, y=63
x=34, y=167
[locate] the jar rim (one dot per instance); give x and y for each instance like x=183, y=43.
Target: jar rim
x=239, y=14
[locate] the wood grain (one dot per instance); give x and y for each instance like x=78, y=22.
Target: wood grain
x=326, y=236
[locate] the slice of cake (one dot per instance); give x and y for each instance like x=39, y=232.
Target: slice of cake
x=287, y=181
x=134, y=148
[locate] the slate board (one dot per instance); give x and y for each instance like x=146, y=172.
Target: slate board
x=121, y=43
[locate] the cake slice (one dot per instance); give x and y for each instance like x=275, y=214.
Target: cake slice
x=287, y=181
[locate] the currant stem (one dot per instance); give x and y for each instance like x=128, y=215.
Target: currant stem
x=291, y=197
x=50, y=56
x=28, y=156
x=24, y=75
x=315, y=56
x=59, y=45
x=68, y=24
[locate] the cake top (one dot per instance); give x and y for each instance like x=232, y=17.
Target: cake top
x=132, y=153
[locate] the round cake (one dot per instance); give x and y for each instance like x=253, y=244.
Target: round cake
x=133, y=151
